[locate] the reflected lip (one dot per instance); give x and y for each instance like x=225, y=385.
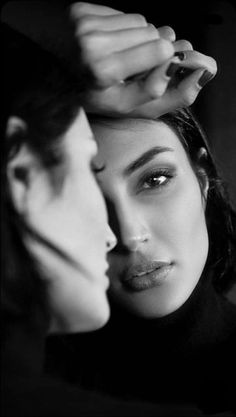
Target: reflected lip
x=145, y=275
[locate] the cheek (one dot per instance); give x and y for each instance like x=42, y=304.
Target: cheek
x=181, y=221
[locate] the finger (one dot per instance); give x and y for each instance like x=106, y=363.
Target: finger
x=167, y=33
x=139, y=99
x=182, y=45
x=188, y=89
x=194, y=60
x=132, y=99
x=157, y=81
x=183, y=96
x=80, y=9
x=96, y=45
x=122, y=65
x=90, y=23
x=120, y=99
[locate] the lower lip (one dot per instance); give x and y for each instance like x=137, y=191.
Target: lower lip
x=150, y=280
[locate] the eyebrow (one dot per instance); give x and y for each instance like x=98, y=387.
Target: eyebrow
x=145, y=158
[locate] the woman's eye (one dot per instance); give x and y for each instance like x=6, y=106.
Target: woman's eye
x=156, y=180
x=96, y=169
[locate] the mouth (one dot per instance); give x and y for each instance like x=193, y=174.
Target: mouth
x=144, y=276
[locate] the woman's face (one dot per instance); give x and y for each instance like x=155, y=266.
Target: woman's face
x=67, y=209
x=157, y=212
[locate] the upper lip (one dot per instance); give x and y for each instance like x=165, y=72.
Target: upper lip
x=143, y=268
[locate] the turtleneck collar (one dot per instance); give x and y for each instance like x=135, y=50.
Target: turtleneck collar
x=24, y=348
x=182, y=325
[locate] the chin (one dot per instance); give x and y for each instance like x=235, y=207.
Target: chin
x=156, y=302
x=95, y=317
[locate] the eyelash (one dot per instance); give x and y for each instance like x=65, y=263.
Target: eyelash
x=156, y=175
x=97, y=170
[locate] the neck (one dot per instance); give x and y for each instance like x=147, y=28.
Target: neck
x=181, y=324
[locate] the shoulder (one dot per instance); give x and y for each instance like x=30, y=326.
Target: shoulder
x=48, y=397
x=227, y=319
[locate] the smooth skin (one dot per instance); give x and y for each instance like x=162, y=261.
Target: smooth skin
x=157, y=210
x=66, y=212
x=119, y=47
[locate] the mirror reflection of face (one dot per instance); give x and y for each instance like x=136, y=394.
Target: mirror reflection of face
x=156, y=210
x=72, y=218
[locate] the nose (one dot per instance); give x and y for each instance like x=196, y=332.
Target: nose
x=133, y=232
x=111, y=239
x=133, y=242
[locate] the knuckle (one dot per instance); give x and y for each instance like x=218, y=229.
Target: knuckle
x=153, y=30
x=139, y=19
x=86, y=43
x=168, y=33
x=155, y=94
x=98, y=70
x=185, y=45
x=81, y=8
x=154, y=91
x=78, y=9
x=84, y=25
x=91, y=42
x=165, y=49
x=187, y=99
x=106, y=72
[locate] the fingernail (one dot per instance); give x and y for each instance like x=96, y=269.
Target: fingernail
x=171, y=70
x=180, y=55
x=205, y=77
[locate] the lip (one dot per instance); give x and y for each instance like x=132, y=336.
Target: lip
x=146, y=275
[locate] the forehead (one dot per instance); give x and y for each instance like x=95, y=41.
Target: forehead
x=120, y=142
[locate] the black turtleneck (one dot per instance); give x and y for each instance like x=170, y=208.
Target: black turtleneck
x=188, y=356
x=26, y=391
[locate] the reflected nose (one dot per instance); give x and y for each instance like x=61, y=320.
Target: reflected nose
x=133, y=242
x=111, y=239
x=128, y=227
x=132, y=231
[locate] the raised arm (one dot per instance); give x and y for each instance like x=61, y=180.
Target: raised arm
x=140, y=70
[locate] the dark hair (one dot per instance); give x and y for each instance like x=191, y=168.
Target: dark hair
x=220, y=216
x=39, y=90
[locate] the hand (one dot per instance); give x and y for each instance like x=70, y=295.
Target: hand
x=188, y=78
x=118, y=46
x=130, y=60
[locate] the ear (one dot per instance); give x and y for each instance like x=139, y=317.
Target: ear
x=201, y=172
x=20, y=166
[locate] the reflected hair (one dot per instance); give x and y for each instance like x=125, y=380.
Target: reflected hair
x=220, y=215
x=39, y=90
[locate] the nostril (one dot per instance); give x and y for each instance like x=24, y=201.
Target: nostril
x=121, y=249
x=111, y=243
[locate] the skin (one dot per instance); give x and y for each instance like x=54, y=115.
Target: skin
x=73, y=218
x=157, y=210
x=116, y=46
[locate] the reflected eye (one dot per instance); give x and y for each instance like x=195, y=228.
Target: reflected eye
x=96, y=169
x=157, y=179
